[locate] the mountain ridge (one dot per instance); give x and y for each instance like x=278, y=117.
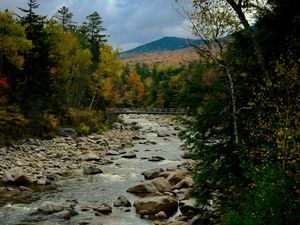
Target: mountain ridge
x=163, y=44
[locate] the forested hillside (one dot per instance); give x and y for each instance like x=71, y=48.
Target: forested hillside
x=163, y=44
x=243, y=92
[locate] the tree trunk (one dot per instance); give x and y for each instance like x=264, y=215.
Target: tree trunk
x=258, y=50
x=234, y=111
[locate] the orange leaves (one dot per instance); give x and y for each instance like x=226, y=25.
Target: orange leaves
x=135, y=89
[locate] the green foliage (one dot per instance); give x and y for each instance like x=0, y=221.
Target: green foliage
x=12, y=124
x=85, y=121
x=93, y=30
x=257, y=180
x=83, y=129
x=64, y=16
x=13, y=41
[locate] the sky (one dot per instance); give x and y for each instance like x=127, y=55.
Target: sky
x=129, y=23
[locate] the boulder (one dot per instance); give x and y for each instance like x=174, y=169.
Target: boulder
x=15, y=175
x=112, y=153
x=51, y=207
x=104, y=209
x=66, y=213
x=156, y=204
x=122, y=201
x=158, y=184
x=188, y=210
x=156, y=158
x=118, y=126
x=186, y=155
x=88, y=169
x=162, y=134
x=185, y=183
x=129, y=155
x=176, y=176
x=89, y=156
x=151, y=174
x=66, y=132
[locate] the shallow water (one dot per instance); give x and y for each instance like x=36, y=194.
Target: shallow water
x=102, y=188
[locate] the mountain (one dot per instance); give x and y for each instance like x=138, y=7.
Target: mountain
x=166, y=58
x=163, y=44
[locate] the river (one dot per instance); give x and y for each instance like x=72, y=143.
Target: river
x=84, y=190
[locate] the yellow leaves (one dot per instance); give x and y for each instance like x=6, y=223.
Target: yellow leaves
x=13, y=40
x=109, y=65
x=135, y=90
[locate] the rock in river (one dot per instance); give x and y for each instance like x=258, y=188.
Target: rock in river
x=156, y=185
x=89, y=156
x=122, y=201
x=129, y=155
x=88, y=169
x=104, y=209
x=15, y=175
x=51, y=207
x=156, y=204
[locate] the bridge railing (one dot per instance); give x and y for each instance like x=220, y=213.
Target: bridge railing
x=147, y=110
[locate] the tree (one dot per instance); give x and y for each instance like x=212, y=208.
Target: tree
x=94, y=33
x=135, y=90
x=13, y=41
x=64, y=16
x=107, y=78
x=37, y=80
x=212, y=21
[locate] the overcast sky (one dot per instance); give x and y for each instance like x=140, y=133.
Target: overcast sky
x=129, y=22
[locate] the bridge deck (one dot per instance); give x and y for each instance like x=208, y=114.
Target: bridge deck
x=148, y=111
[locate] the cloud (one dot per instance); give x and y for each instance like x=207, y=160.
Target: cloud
x=128, y=22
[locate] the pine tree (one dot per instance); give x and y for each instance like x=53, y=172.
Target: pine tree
x=94, y=33
x=36, y=87
x=64, y=16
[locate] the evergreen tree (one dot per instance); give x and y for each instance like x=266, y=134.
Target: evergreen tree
x=94, y=33
x=36, y=87
x=64, y=16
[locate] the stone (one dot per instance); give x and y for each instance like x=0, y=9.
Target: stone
x=176, y=176
x=122, y=201
x=84, y=221
x=156, y=204
x=15, y=175
x=43, y=181
x=129, y=155
x=159, y=184
x=185, y=183
x=161, y=215
x=118, y=126
x=22, y=188
x=112, y=153
x=91, y=170
x=124, y=209
x=156, y=158
x=186, y=155
x=188, y=210
x=66, y=132
x=51, y=207
x=162, y=134
x=66, y=213
x=89, y=156
x=178, y=223
x=104, y=209
x=151, y=174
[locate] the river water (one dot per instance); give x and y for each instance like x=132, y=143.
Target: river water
x=84, y=190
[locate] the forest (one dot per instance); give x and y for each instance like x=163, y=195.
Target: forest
x=243, y=92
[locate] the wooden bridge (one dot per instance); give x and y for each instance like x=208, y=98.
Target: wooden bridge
x=182, y=111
